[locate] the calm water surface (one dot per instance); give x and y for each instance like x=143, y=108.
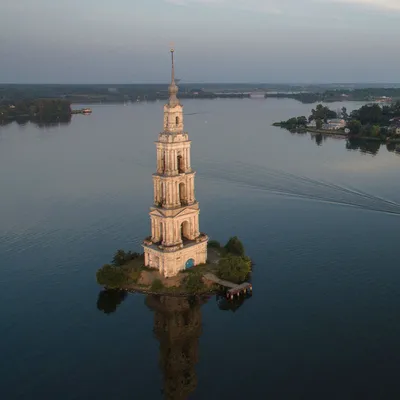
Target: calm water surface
x=320, y=221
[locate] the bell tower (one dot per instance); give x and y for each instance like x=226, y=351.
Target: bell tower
x=175, y=242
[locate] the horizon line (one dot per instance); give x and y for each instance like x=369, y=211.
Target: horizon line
x=206, y=83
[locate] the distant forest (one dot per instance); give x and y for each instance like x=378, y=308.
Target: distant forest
x=114, y=93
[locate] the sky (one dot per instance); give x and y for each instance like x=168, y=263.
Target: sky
x=128, y=41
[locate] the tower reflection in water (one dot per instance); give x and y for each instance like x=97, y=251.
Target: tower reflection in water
x=177, y=327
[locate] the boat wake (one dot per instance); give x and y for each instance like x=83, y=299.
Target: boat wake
x=290, y=185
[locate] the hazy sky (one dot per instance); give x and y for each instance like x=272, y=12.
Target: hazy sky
x=127, y=41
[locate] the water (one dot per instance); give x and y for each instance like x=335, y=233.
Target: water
x=320, y=221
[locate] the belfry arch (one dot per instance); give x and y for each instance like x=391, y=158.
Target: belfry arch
x=185, y=230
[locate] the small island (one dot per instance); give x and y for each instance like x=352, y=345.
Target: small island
x=370, y=122
x=44, y=112
x=127, y=271
x=36, y=110
x=178, y=258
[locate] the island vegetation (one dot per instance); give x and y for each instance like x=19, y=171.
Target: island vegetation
x=370, y=122
x=36, y=110
x=127, y=271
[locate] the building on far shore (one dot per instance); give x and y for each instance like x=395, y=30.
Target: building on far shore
x=334, y=124
x=312, y=124
x=257, y=94
x=176, y=242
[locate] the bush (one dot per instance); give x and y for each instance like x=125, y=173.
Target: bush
x=157, y=285
x=121, y=257
x=235, y=246
x=194, y=283
x=111, y=276
x=234, y=268
x=214, y=244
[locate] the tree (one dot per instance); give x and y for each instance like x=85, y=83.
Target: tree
x=235, y=246
x=345, y=115
x=384, y=132
x=234, y=268
x=366, y=130
x=370, y=114
x=194, y=282
x=318, y=123
x=111, y=277
x=214, y=244
x=121, y=257
x=302, y=121
x=354, y=126
x=375, y=130
x=323, y=113
x=291, y=123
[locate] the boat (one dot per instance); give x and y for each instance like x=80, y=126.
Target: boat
x=87, y=111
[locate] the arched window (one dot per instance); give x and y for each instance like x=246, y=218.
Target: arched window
x=177, y=121
x=185, y=230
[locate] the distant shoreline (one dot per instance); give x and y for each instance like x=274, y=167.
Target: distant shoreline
x=342, y=135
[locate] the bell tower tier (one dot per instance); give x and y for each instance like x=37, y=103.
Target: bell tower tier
x=175, y=242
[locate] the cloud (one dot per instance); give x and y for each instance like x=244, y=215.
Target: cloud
x=278, y=6
x=267, y=6
x=382, y=4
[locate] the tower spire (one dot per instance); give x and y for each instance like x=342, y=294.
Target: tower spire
x=173, y=66
x=173, y=88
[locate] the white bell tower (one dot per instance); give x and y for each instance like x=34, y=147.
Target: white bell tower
x=176, y=242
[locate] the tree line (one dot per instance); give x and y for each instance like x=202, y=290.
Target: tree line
x=371, y=120
x=39, y=109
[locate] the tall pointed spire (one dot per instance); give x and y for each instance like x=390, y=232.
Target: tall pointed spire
x=173, y=88
x=173, y=66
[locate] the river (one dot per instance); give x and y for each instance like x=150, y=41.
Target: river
x=320, y=220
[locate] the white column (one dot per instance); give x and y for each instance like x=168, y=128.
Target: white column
x=185, y=158
x=173, y=193
x=176, y=238
x=175, y=161
x=192, y=228
x=157, y=229
x=190, y=190
x=188, y=158
x=158, y=160
x=197, y=230
x=168, y=193
x=166, y=160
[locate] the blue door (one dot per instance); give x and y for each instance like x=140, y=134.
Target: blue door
x=190, y=263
